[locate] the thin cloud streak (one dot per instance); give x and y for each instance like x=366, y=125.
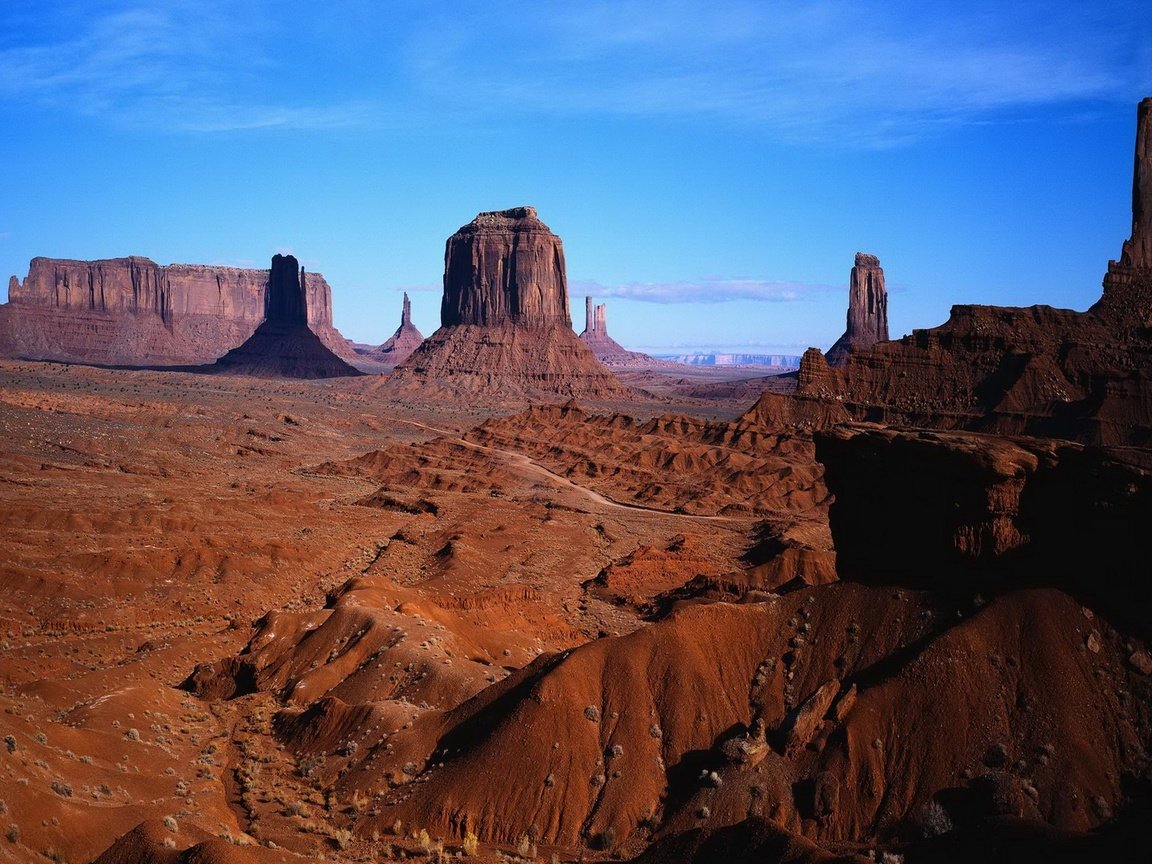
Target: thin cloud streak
x=705, y=291
x=827, y=72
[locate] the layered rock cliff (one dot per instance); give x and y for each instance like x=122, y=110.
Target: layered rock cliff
x=505, y=328
x=284, y=345
x=978, y=511
x=505, y=267
x=132, y=311
x=867, y=309
x=1034, y=370
x=401, y=344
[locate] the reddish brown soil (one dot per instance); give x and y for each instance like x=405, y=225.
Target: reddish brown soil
x=301, y=622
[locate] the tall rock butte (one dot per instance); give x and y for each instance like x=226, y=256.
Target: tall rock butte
x=607, y=350
x=401, y=344
x=867, y=309
x=134, y=312
x=1036, y=370
x=283, y=345
x=505, y=327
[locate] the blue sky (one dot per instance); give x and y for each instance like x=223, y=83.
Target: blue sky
x=712, y=167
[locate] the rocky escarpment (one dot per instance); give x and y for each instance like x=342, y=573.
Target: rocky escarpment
x=867, y=309
x=132, y=311
x=505, y=328
x=401, y=344
x=284, y=346
x=1034, y=370
x=982, y=512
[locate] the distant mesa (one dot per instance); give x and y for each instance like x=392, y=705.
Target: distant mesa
x=402, y=343
x=776, y=361
x=284, y=346
x=134, y=312
x=867, y=310
x=1037, y=370
x=607, y=350
x=505, y=327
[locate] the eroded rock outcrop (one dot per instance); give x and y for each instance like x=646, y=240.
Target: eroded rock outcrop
x=974, y=511
x=867, y=309
x=505, y=267
x=132, y=311
x=607, y=350
x=505, y=327
x=401, y=344
x=1034, y=370
x=284, y=346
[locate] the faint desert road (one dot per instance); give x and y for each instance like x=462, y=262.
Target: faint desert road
x=512, y=457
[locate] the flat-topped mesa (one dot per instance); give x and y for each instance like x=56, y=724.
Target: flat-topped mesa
x=505, y=267
x=867, y=309
x=506, y=331
x=132, y=311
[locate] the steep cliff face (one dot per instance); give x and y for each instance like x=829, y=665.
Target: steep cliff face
x=506, y=332
x=132, y=311
x=284, y=346
x=1035, y=370
x=505, y=267
x=970, y=510
x=867, y=309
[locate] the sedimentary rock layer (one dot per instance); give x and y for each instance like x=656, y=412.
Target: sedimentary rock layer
x=1035, y=370
x=505, y=267
x=132, y=311
x=867, y=309
x=505, y=329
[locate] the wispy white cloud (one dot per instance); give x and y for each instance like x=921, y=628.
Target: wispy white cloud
x=182, y=65
x=704, y=291
x=830, y=71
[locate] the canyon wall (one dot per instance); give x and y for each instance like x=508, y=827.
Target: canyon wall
x=132, y=311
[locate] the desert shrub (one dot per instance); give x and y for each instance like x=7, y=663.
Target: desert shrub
x=471, y=844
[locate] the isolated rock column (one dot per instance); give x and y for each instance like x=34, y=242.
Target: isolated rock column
x=867, y=309
x=1138, y=250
